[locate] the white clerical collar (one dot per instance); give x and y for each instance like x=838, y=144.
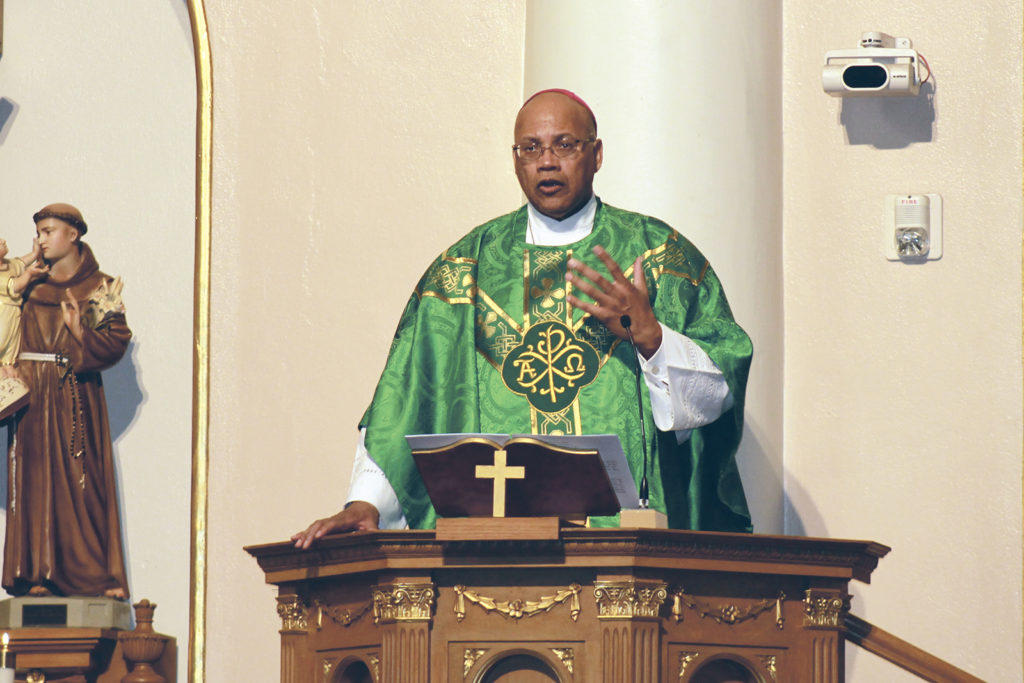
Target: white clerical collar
x=546, y=231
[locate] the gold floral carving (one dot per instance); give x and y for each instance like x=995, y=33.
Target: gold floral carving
x=328, y=667
x=567, y=657
x=35, y=676
x=470, y=656
x=403, y=602
x=769, y=663
x=726, y=614
x=629, y=599
x=293, y=614
x=342, y=617
x=684, y=661
x=374, y=659
x=824, y=609
x=517, y=609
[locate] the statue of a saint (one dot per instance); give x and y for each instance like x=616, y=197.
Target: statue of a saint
x=63, y=525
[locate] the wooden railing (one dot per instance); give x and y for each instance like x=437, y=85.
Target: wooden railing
x=903, y=654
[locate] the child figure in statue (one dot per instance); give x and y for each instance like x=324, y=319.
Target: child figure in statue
x=63, y=527
x=15, y=276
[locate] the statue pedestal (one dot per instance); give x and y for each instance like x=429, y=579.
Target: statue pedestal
x=82, y=654
x=68, y=655
x=61, y=612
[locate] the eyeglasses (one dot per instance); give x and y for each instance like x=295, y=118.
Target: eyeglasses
x=563, y=148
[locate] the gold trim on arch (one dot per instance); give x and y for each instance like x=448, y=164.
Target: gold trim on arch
x=201, y=342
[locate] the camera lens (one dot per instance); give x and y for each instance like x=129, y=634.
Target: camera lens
x=861, y=76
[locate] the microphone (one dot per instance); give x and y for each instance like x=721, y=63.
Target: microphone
x=626, y=323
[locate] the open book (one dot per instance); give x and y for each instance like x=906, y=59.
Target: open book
x=560, y=475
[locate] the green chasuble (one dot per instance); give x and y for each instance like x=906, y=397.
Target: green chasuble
x=488, y=343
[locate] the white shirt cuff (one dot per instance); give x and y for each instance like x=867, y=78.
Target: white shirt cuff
x=370, y=485
x=686, y=387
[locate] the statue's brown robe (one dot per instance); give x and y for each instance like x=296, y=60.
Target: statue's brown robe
x=63, y=525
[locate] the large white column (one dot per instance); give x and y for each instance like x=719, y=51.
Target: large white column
x=688, y=102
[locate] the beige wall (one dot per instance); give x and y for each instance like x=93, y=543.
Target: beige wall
x=97, y=108
x=903, y=382
x=354, y=141
x=342, y=136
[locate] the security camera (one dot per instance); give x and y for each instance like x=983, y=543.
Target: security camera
x=881, y=66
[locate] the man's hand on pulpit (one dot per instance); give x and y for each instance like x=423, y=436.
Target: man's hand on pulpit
x=357, y=516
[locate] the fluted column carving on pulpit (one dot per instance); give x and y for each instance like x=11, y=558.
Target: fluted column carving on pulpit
x=630, y=629
x=294, y=615
x=404, y=612
x=825, y=612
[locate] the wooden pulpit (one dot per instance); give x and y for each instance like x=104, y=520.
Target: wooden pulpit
x=614, y=605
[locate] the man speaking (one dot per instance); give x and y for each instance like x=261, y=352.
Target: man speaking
x=562, y=272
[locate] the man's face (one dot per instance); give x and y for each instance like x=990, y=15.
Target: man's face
x=556, y=187
x=3, y=248
x=56, y=238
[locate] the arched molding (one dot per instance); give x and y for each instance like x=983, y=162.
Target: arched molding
x=201, y=342
x=544, y=655
x=702, y=672
x=343, y=669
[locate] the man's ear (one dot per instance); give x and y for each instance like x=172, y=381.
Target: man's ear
x=598, y=154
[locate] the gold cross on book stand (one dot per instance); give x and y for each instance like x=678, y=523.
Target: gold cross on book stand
x=499, y=472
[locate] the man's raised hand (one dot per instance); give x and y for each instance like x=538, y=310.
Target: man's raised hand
x=616, y=298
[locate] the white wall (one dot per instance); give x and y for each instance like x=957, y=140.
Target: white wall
x=903, y=382
x=97, y=108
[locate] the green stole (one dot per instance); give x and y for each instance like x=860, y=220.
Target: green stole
x=537, y=365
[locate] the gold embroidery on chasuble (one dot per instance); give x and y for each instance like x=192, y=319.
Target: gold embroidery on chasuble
x=542, y=359
x=550, y=367
x=663, y=260
x=549, y=358
x=551, y=364
x=451, y=280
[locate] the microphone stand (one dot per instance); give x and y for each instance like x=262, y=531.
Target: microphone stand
x=644, y=517
x=643, y=493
